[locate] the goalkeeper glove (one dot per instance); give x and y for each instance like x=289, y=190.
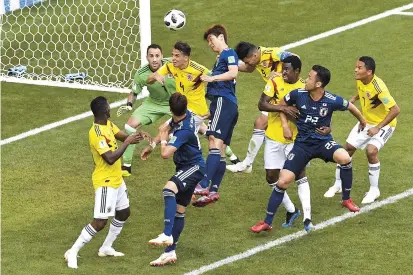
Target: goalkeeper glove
x=124, y=109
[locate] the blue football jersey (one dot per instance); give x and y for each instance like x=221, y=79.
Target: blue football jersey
x=185, y=139
x=314, y=114
x=226, y=89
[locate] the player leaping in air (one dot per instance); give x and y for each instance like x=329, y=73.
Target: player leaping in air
x=380, y=110
x=316, y=107
x=154, y=107
x=223, y=108
x=267, y=61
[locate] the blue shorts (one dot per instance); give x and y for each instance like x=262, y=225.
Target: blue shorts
x=224, y=117
x=303, y=152
x=186, y=180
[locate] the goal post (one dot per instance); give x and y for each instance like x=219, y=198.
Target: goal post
x=82, y=44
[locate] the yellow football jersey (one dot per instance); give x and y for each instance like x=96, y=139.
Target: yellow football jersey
x=269, y=61
x=375, y=101
x=188, y=83
x=277, y=88
x=101, y=140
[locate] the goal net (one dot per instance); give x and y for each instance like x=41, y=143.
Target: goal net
x=89, y=44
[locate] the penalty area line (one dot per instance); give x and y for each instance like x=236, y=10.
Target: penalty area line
x=299, y=234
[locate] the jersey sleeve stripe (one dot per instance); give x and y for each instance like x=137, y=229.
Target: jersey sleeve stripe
x=376, y=86
x=97, y=131
x=196, y=67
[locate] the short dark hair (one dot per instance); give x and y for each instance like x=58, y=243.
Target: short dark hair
x=369, y=63
x=178, y=104
x=183, y=47
x=244, y=49
x=153, y=46
x=99, y=105
x=323, y=74
x=216, y=30
x=294, y=61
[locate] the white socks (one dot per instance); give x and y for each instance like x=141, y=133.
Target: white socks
x=288, y=204
x=374, y=173
x=85, y=236
x=254, y=146
x=114, y=230
x=305, y=198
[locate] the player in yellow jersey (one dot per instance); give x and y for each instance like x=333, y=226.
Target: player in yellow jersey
x=380, y=110
x=187, y=74
x=279, y=142
x=267, y=61
x=111, y=195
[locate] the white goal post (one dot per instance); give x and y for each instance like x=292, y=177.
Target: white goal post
x=82, y=44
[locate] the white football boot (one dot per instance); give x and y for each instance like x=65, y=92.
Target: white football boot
x=71, y=258
x=165, y=258
x=239, y=167
x=332, y=191
x=371, y=196
x=162, y=240
x=109, y=251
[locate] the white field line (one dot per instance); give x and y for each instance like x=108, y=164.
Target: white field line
x=299, y=234
x=409, y=13
x=347, y=27
x=54, y=125
x=285, y=47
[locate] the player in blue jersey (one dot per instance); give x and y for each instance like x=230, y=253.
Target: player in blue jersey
x=316, y=107
x=190, y=169
x=223, y=109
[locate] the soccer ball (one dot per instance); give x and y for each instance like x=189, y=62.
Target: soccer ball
x=174, y=20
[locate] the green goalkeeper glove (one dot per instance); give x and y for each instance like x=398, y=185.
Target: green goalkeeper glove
x=124, y=109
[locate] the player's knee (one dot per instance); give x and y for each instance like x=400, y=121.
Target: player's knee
x=350, y=148
x=123, y=214
x=99, y=224
x=180, y=209
x=371, y=151
x=272, y=177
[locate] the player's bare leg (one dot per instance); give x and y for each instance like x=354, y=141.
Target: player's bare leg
x=336, y=188
x=342, y=157
x=130, y=127
x=254, y=146
x=276, y=198
x=374, y=173
x=115, y=228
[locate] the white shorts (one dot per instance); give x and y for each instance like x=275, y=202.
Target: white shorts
x=361, y=140
x=264, y=113
x=109, y=199
x=275, y=153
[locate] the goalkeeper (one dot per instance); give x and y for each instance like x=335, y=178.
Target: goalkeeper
x=154, y=107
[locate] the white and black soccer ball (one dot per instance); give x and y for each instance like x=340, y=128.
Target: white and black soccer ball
x=175, y=20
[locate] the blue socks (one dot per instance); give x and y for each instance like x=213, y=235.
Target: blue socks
x=276, y=199
x=212, y=163
x=346, y=175
x=219, y=174
x=170, y=209
x=177, y=230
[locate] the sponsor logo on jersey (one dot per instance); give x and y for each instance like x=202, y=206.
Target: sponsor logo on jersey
x=385, y=100
x=172, y=140
x=231, y=59
x=323, y=111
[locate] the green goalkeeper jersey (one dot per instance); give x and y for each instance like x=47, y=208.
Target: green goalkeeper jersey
x=157, y=93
